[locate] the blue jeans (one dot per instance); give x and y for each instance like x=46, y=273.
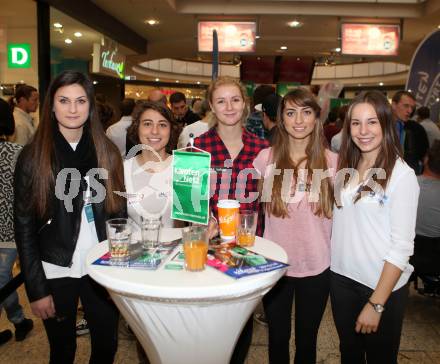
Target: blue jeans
x=13, y=309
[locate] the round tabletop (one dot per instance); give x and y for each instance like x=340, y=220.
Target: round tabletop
x=183, y=285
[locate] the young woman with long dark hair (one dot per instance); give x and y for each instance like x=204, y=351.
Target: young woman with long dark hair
x=298, y=217
x=61, y=205
x=373, y=234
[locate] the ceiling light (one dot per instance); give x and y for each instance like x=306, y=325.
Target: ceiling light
x=359, y=84
x=57, y=25
x=95, y=82
x=257, y=37
x=409, y=90
x=68, y=41
x=157, y=80
x=437, y=99
x=283, y=48
x=338, y=49
x=177, y=81
x=198, y=82
x=380, y=83
x=151, y=22
x=295, y=24
x=78, y=34
x=438, y=26
x=298, y=59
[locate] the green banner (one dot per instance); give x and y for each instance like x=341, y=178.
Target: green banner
x=339, y=103
x=191, y=173
x=284, y=87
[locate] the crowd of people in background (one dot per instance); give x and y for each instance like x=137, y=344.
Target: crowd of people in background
x=353, y=244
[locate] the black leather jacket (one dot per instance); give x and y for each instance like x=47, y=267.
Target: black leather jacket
x=52, y=239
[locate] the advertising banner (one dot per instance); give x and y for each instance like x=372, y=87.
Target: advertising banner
x=370, y=39
x=424, y=74
x=232, y=36
x=191, y=176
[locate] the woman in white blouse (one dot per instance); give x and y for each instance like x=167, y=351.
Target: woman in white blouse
x=373, y=234
x=148, y=174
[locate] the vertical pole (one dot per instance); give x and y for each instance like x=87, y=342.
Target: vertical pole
x=43, y=31
x=215, y=55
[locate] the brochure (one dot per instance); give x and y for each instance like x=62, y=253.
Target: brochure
x=238, y=262
x=232, y=260
x=150, y=259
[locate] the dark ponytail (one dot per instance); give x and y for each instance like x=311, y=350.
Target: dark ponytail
x=21, y=90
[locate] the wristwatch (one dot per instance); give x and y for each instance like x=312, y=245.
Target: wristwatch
x=377, y=307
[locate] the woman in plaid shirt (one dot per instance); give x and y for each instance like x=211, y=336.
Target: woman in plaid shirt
x=233, y=150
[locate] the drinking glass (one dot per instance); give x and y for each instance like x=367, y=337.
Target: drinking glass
x=247, y=225
x=150, y=228
x=195, y=247
x=119, y=238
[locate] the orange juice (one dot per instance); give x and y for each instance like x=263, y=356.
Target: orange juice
x=246, y=238
x=228, y=218
x=195, y=254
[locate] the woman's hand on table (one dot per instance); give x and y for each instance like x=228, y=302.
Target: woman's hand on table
x=43, y=308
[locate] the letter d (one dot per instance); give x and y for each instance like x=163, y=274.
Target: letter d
x=16, y=52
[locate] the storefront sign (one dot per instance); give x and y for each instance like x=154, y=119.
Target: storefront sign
x=108, y=61
x=19, y=55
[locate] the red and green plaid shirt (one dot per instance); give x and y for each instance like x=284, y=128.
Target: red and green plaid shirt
x=233, y=179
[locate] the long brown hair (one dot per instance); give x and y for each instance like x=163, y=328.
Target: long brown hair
x=42, y=149
x=315, y=158
x=390, y=149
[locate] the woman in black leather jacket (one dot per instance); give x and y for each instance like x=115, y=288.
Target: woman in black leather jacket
x=61, y=204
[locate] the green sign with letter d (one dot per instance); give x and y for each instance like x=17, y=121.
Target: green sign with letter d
x=19, y=55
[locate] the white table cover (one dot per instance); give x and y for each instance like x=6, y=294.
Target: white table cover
x=186, y=317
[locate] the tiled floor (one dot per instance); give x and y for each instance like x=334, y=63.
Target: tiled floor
x=420, y=340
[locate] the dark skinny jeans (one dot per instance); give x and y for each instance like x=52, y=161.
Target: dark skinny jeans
x=311, y=295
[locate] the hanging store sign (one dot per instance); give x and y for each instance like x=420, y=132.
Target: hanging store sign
x=108, y=60
x=19, y=55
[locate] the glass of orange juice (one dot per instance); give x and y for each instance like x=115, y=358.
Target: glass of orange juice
x=247, y=225
x=195, y=247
